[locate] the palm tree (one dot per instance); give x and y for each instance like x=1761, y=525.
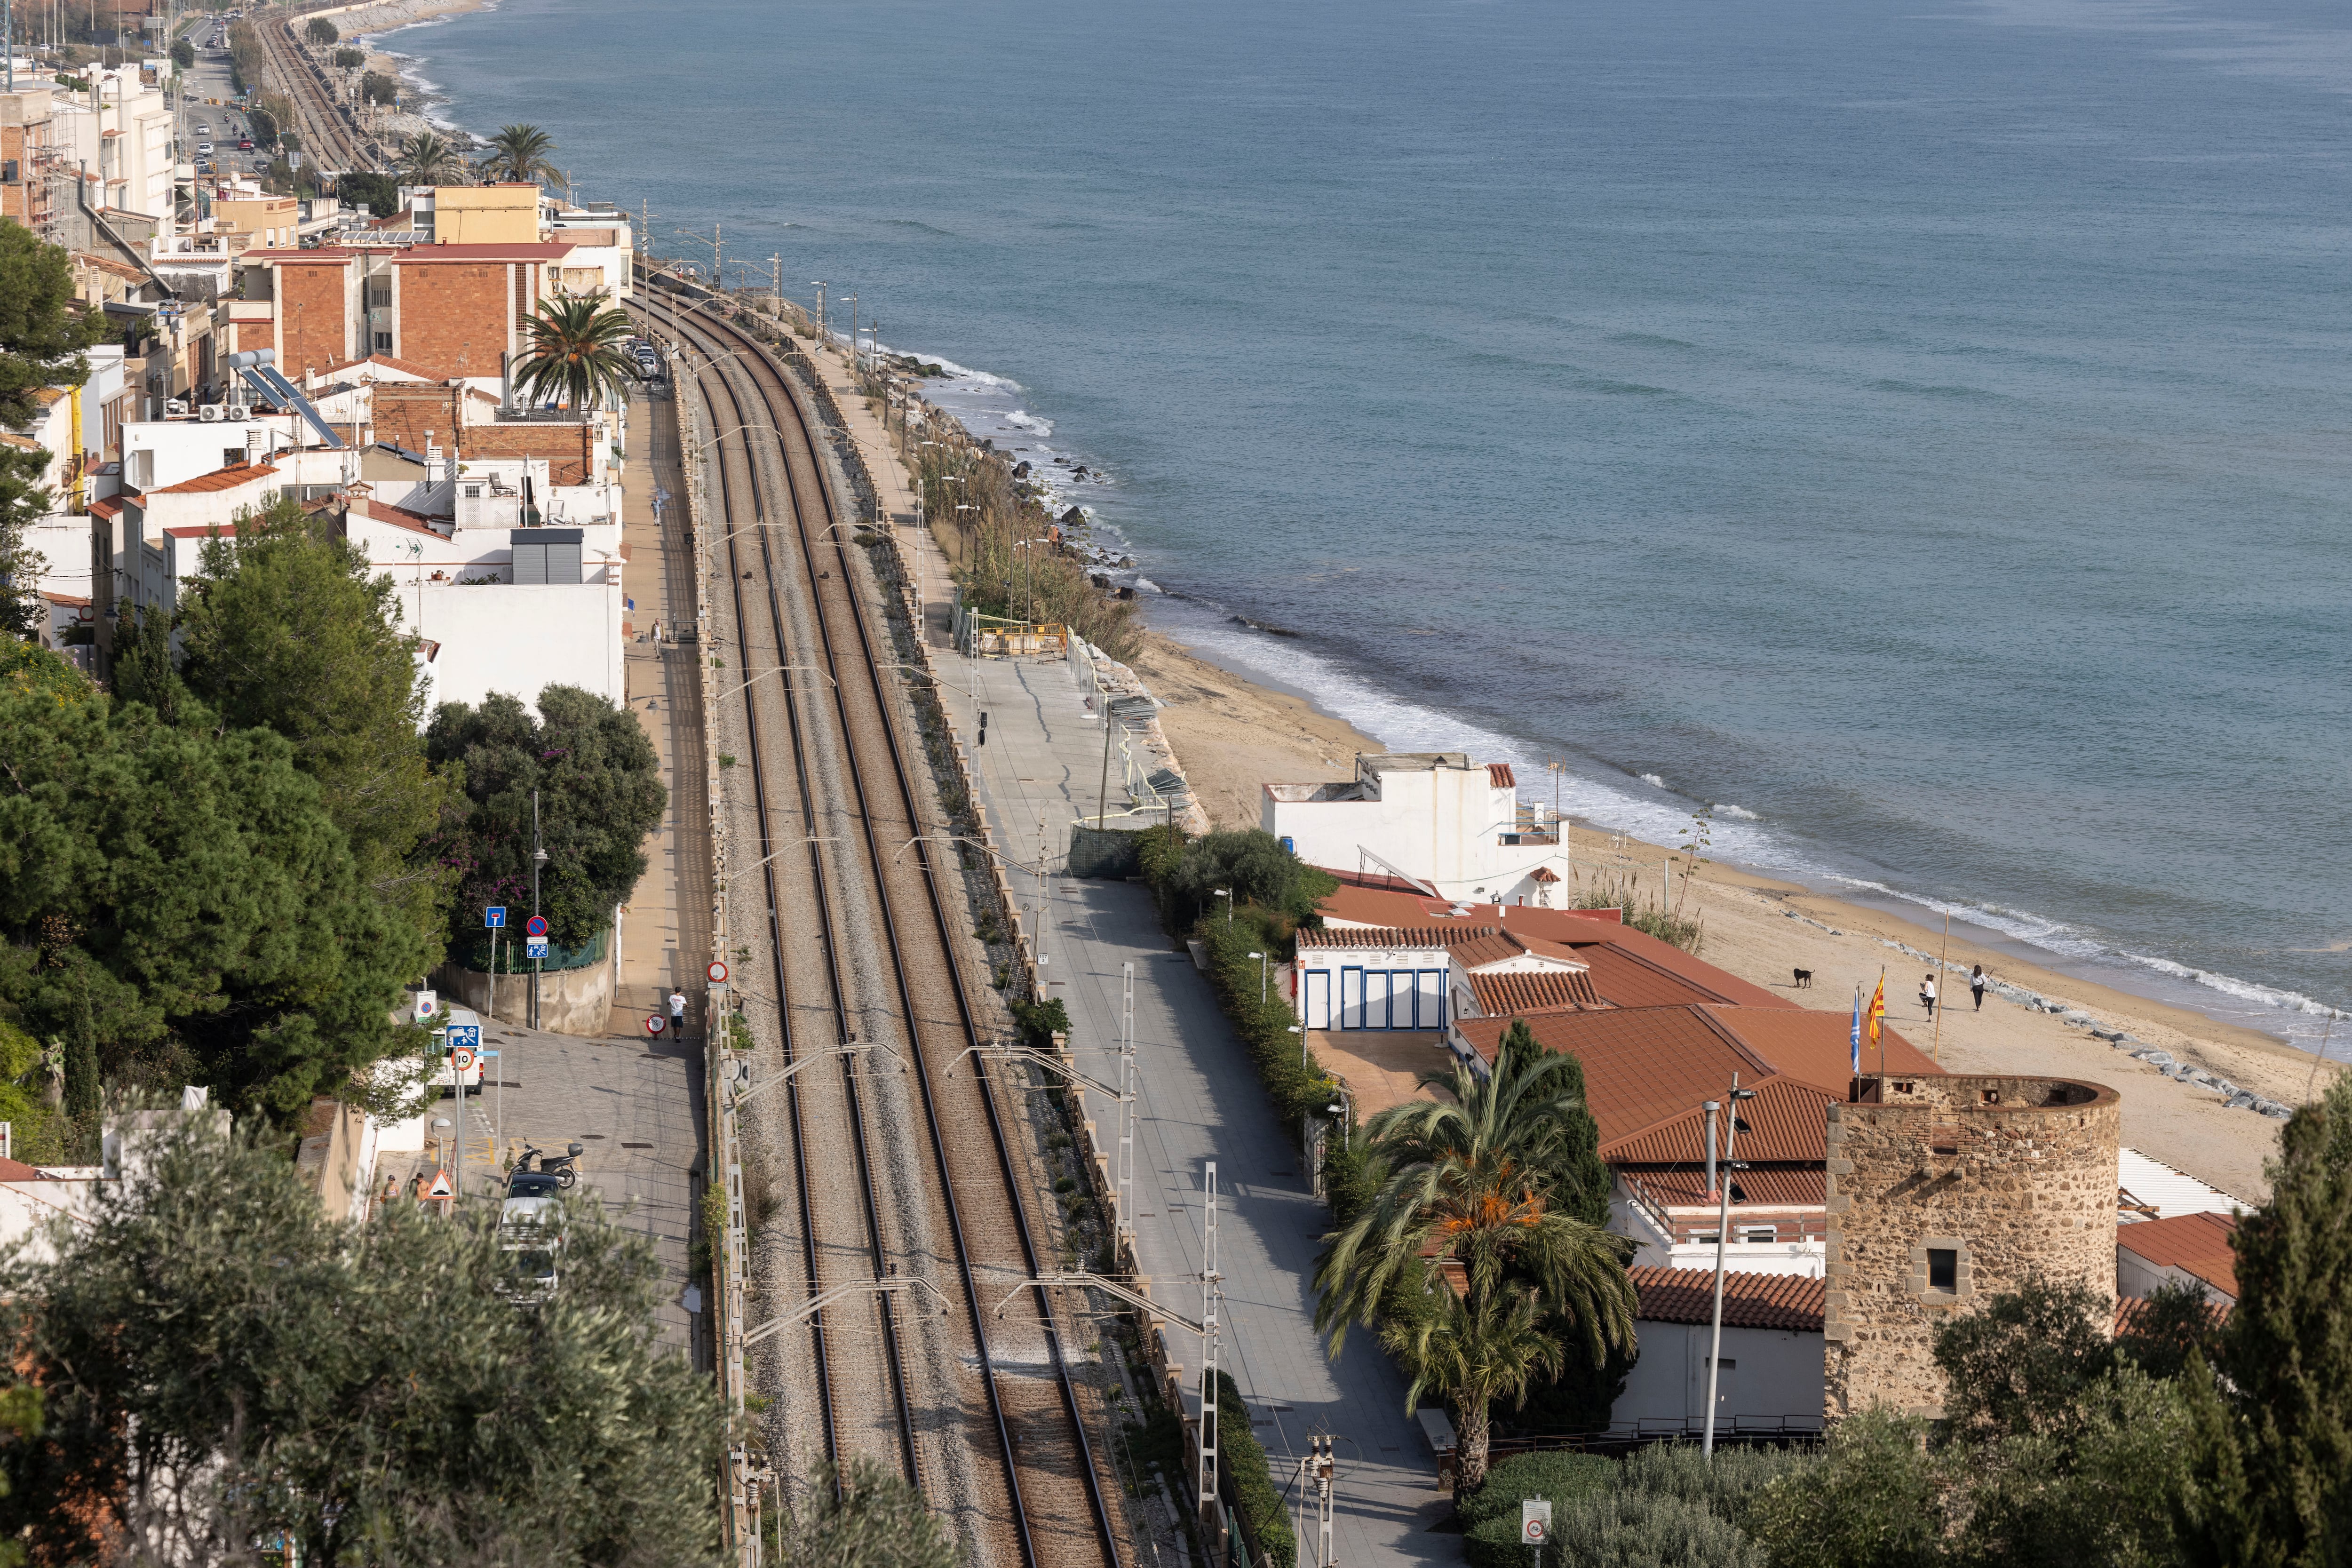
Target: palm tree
x=424, y=158
x=1475, y=1352
x=521, y=152
x=574, y=355
x=1481, y=1181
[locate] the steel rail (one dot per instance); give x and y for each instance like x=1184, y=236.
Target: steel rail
x=755, y=355
x=876, y=1252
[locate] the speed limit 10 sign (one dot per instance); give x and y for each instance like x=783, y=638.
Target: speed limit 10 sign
x=1535, y=1521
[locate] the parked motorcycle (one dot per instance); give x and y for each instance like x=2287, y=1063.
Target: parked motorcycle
x=560, y=1166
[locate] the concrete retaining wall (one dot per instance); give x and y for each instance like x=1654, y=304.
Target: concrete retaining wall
x=571, y=1001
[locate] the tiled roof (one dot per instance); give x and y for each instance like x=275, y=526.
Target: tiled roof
x=17, y=1171
x=1784, y=1301
x=1498, y=776
x=218, y=479
x=394, y=516
x=1759, y=1187
x=22, y=443
x=112, y=507
x=202, y=531
x=535, y=251
x=2195, y=1244
x=1816, y=1047
x=1786, y=1122
x=1390, y=936
x=1643, y=1066
x=1540, y=990
x=67, y=599
x=1502, y=947
x=1543, y=874
x=2128, y=1309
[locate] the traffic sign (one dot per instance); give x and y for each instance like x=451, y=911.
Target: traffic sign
x=718, y=972
x=466, y=1036
x=1534, y=1520
x=494, y=916
x=536, y=925
x=462, y=1058
x=534, y=950
x=655, y=1023
x=427, y=1003
x=440, y=1191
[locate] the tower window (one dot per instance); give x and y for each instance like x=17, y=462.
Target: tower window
x=1942, y=1268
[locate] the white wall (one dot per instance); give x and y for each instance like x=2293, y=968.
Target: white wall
x=2138, y=1275
x=1322, y=971
x=1443, y=825
x=1768, y=1374
x=1806, y=1258
x=519, y=637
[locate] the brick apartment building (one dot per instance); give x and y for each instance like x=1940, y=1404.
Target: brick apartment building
x=458, y=309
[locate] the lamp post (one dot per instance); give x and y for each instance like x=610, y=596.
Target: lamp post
x=1226, y=894
x=1722, y=1233
x=538, y=859
x=819, y=286
x=1261, y=977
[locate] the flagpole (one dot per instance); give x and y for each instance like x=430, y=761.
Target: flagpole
x=1880, y=1030
x=1942, y=970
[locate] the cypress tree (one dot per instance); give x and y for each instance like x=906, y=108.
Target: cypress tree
x=2276, y=1465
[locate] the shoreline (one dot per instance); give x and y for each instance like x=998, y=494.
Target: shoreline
x=1233, y=734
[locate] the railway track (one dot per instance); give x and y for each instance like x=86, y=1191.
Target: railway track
x=326, y=136
x=984, y=1412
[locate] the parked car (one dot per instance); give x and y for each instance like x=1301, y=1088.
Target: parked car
x=245, y=144
x=530, y=1237
x=203, y=149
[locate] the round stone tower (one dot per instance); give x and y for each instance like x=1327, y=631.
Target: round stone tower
x=1946, y=1190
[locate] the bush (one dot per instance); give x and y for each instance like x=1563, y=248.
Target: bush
x=183, y=53
x=1265, y=1518
x=320, y=31
x=1649, y=1530
x=346, y=59
x=377, y=87
x=1490, y=1516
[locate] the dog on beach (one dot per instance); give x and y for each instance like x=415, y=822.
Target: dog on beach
x=1804, y=978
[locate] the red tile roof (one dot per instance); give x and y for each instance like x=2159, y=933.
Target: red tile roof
x=2129, y=1310
x=1388, y=936
x=17, y=1171
x=218, y=479
x=1643, y=1066
x=1785, y=1302
x=2197, y=1244
x=408, y=367
x=534, y=251
x=325, y=253
x=110, y=508
x=395, y=516
x=1502, y=947
x=1787, y=1123
x=1498, y=776
x=1761, y=1186
x=1509, y=995
x=202, y=531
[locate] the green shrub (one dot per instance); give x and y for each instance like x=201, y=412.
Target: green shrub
x=1560, y=1476
x=1265, y=1520
x=1041, y=1021
x=1632, y=1529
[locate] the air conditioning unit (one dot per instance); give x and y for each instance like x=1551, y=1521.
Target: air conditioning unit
x=175, y=405
x=240, y=411
x=210, y=414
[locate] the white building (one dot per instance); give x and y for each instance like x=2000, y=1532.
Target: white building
x=117, y=136
x=1454, y=827
x=1769, y=1379
x=1423, y=979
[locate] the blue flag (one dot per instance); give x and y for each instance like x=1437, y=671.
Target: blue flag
x=1857, y=1031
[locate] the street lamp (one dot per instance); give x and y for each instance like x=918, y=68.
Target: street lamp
x=1261, y=977
x=819, y=286
x=441, y=1131
x=537, y=859
x=1226, y=894
x=1722, y=1231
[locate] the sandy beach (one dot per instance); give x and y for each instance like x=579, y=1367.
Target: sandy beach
x=367, y=24
x=1232, y=736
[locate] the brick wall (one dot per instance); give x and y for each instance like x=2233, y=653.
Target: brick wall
x=455, y=315
x=313, y=326
x=2016, y=1177
x=406, y=413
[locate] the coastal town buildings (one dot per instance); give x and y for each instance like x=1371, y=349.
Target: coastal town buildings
x=1441, y=824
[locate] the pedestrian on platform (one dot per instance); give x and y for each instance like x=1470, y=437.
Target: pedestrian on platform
x=677, y=1014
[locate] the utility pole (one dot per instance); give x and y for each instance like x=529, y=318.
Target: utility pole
x=1126, y=1106
x=1317, y=1469
x=1207, y=1482
x=538, y=859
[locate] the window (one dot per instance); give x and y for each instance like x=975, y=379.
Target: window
x=232, y=456
x=1942, y=1268
x=384, y=342
x=1728, y=1364
x=1707, y=1238
x=1761, y=1236
x=379, y=296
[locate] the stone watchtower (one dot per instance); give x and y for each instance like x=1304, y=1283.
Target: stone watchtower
x=1946, y=1190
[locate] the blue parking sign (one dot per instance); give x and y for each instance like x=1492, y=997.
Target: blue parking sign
x=494, y=916
x=534, y=950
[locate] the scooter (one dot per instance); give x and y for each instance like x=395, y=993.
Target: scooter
x=558, y=1166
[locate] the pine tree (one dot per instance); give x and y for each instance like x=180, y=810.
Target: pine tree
x=2276, y=1430
x=42, y=334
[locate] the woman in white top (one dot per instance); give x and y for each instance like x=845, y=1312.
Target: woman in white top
x=1928, y=994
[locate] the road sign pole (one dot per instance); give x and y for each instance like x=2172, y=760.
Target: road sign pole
x=538, y=859
x=490, y=1010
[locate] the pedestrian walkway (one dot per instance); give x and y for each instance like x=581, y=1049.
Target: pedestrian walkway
x=1199, y=1101
x=666, y=929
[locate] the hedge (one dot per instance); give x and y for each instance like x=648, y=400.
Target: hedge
x=1661, y=1507
x=1265, y=1521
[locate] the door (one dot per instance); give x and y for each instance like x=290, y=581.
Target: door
x=1351, y=998
x=1376, y=998
x=1400, y=999
x=1429, y=1011
x=1319, y=998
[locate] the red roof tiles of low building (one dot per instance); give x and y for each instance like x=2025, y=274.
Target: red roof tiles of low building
x=407, y=367
x=1759, y=1187
x=2129, y=1309
x=1786, y=1124
x=536, y=250
x=226, y=478
x=1498, y=776
x=112, y=507
x=1510, y=996
x=1502, y=947
x=1395, y=937
x=2195, y=1244
x=1789, y=1302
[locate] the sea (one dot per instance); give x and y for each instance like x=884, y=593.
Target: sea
x=1919, y=435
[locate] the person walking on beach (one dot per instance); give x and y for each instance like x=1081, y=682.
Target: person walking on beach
x=1928, y=994
x=1976, y=985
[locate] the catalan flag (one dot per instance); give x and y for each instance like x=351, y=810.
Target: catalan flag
x=1877, y=1008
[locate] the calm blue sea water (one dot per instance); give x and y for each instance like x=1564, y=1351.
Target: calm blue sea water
x=1923, y=432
